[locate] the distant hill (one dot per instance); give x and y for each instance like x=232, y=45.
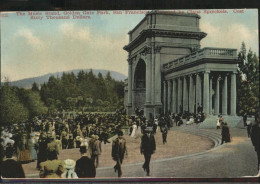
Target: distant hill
x=27, y=83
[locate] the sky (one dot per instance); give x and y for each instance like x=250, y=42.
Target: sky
x=31, y=48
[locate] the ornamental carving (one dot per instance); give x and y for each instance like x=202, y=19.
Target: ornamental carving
x=130, y=61
x=157, y=49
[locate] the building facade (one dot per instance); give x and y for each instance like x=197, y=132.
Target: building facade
x=169, y=72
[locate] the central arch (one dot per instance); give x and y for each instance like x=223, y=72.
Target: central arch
x=139, y=85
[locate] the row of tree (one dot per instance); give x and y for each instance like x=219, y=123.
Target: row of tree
x=85, y=91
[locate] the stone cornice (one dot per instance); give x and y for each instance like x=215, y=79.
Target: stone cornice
x=146, y=33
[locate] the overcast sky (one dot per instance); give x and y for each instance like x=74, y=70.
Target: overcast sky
x=32, y=48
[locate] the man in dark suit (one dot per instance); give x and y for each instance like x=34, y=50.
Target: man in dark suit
x=85, y=167
x=148, y=147
x=245, y=119
x=10, y=168
x=164, y=131
x=255, y=138
x=119, y=150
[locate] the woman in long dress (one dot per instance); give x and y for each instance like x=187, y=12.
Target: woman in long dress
x=31, y=145
x=24, y=154
x=134, y=130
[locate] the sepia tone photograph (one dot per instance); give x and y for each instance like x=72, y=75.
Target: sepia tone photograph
x=128, y=94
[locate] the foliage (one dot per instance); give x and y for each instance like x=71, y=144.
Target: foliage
x=247, y=81
x=12, y=110
x=18, y=104
x=85, y=91
x=32, y=101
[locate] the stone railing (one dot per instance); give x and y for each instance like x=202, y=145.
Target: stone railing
x=207, y=52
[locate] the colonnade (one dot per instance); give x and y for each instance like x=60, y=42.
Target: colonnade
x=186, y=93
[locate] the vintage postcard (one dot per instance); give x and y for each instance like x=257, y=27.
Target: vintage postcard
x=130, y=94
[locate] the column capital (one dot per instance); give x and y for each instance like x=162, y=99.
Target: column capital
x=225, y=74
x=219, y=78
x=130, y=61
x=185, y=76
x=191, y=75
x=198, y=73
x=234, y=72
x=206, y=71
x=147, y=50
x=157, y=49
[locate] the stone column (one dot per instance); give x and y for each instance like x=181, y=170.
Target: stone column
x=206, y=93
x=185, y=94
x=217, y=96
x=198, y=91
x=191, y=95
x=129, y=104
x=152, y=86
x=169, y=95
x=179, y=95
x=165, y=97
x=157, y=82
x=224, y=96
x=148, y=82
x=233, y=98
x=174, y=96
x=210, y=95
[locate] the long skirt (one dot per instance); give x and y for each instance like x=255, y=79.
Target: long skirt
x=33, y=153
x=24, y=156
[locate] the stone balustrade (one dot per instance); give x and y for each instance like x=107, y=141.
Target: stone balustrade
x=207, y=52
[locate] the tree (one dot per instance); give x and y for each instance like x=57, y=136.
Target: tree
x=247, y=81
x=35, y=87
x=34, y=104
x=12, y=110
x=80, y=103
x=108, y=76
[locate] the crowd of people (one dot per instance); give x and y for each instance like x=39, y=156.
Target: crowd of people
x=42, y=138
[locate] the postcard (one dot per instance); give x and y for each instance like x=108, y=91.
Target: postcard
x=130, y=94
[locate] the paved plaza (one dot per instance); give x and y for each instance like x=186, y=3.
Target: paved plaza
x=190, y=152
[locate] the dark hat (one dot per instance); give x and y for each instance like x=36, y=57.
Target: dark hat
x=120, y=133
x=83, y=149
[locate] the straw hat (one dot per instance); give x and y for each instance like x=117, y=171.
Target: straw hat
x=149, y=129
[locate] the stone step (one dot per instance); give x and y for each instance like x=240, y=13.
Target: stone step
x=215, y=137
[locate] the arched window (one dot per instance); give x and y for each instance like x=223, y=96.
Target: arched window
x=140, y=75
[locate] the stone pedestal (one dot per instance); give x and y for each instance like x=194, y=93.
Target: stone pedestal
x=148, y=108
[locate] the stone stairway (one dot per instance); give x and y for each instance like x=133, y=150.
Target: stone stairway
x=213, y=135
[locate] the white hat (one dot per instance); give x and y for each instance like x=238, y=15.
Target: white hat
x=69, y=164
